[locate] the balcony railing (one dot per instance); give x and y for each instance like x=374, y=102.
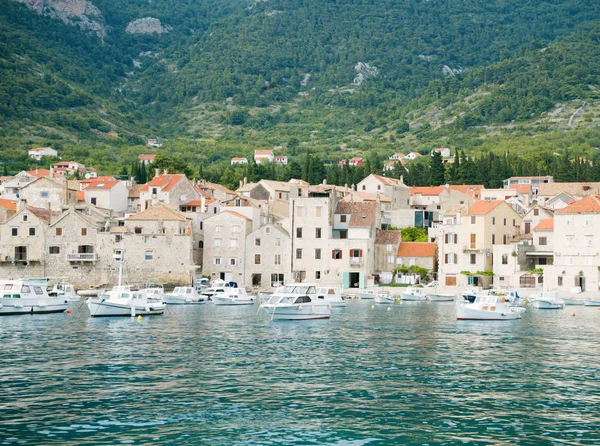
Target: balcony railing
x=356, y=261
x=82, y=257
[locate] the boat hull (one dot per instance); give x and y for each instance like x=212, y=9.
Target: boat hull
x=180, y=300
x=104, y=309
x=10, y=308
x=463, y=313
x=573, y=302
x=547, y=305
x=218, y=300
x=441, y=297
x=412, y=297
x=296, y=312
x=591, y=302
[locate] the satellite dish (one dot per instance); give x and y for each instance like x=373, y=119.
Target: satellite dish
x=87, y=176
x=183, y=198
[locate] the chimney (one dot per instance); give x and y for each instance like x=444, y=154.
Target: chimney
x=21, y=204
x=241, y=183
x=166, y=172
x=345, y=189
x=402, y=179
x=156, y=172
x=245, y=180
x=324, y=182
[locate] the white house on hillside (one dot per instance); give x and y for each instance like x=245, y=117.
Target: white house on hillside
x=40, y=152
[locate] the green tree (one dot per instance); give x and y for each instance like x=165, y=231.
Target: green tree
x=437, y=171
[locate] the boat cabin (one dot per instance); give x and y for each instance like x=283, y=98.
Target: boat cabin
x=18, y=290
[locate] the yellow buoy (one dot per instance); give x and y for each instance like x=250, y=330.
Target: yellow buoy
x=372, y=307
x=572, y=313
x=389, y=308
x=139, y=318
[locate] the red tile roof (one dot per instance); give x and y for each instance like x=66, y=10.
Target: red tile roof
x=193, y=203
x=545, y=225
x=39, y=173
x=166, y=182
x=239, y=215
x=468, y=189
x=482, y=207
x=102, y=185
x=522, y=188
x=427, y=190
x=416, y=249
x=263, y=152
x=147, y=156
x=80, y=195
x=587, y=205
x=8, y=204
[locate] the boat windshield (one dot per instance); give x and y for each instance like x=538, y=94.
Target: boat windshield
x=298, y=289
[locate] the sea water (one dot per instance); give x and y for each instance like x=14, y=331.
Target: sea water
x=220, y=375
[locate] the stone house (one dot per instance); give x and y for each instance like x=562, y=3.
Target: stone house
x=263, y=156
x=443, y=151
x=45, y=193
x=235, y=161
x=267, y=257
x=421, y=254
x=8, y=208
x=40, y=152
x=572, y=190
x=146, y=158
x=394, y=189
x=533, y=217
x=173, y=189
x=107, y=195
x=386, y=247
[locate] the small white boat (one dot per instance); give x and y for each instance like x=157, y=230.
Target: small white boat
x=547, y=300
x=297, y=301
x=384, y=297
x=413, y=294
x=233, y=296
x=182, y=295
x=121, y=301
x=66, y=291
x=441, y=297
x=367, y=294
x=154, y=293
x=487, y=307
x=218, y=287
x=331, y=295
x=592, y=302
x=573, y=301
x=28, y=297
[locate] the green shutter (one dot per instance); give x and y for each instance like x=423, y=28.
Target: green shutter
x=345, y=280
x=362, y=281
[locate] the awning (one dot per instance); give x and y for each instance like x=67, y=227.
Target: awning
x=540, y=253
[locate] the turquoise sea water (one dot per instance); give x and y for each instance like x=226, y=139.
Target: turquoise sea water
x=225, y=375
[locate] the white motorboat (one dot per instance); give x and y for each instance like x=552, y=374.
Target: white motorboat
x=547, y=300
x=573, y=301
x=331, y=295
x=367, y=294
x=121, y=301
x=297, y=301
x=28, y=297
x=66, y=291
x=413, y=294
x=441, y=297
x=182, y=295
x=487, y=307
x=154, y=292
x=592, y=302
x=233, y=296
x=471, y=294
x=218, y=287
x=384, y=297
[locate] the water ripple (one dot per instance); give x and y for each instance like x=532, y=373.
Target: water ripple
x=222, y=376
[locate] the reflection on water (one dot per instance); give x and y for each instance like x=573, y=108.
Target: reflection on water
x=227, y=375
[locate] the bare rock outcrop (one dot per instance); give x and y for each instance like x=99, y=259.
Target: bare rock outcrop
x=81, y=13
x=147, y=25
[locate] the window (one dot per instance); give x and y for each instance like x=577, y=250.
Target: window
x=317, y=253
x=493, y=220
x=587, y=221
x=364, y=187
x=473, y=241
x=505, y=259
x=514, y=222
x=473, y=220
x=317, y=274
x=505, y=222
x=493, y=239
x=299, y=253
x=268, y=230
x=356, y=253
x=217, y=243
x=54, y=250
x=336, y=254
x=137, y=230
x=298, y=232
x=31, y=231
x=59, y=232
x=218, y=228
x=569, y=260
x=570, y=240
x=277, y=242
x=560, y=280
x=257, y=259
x=14, y=232
x=277, y=279
x=473, y=259
x=388, y=248
x=587, y=241
x=342, y=219
x=93, y=200
x=84, y=231
x=44, y=194
x=587, y=260
x=277, y=259
x=543, y=241
x=217, y=260
x=25, y=217
x=236, y=228
x=536, y=212
x=318, y=211
x=390, y=259
x=119, y=237
x=317, y=232
x=411, y=261
x=233, y=243
x=343, y=234
x=232, y=261
x=149, y=255
x=257, y=241
x=450, y=280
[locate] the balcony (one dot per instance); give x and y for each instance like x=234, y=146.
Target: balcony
x=469, y=248
x=83, y=257
x=355, y=261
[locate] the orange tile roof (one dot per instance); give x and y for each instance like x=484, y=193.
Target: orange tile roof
x=587, y=205
x=102, y=185
x=416, y=249
x=166, y=182
x=468, y=189
x=388, y=237
x=263, y=152
x=239, y=215
x=147, y=156
x=427, y=190
x=94, y=180
x=39, y=173
x=80, y=195
x=482, y=207
x=522, y=188
x=8, y=204
x=161, y=211
x=545, y=225
x=193, y=203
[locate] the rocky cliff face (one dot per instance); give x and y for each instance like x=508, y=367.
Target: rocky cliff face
x=81, y=13
x=147, y=25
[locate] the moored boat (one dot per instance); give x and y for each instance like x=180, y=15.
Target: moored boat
x=547, y=300
x=367, y=294
x=233, y=296
x=413, y=294
x=487, y=307
x=182, y=295
x=592, y=302
x=384, y=297
x=28, y=297
x=297, y=301
x=122, y=301
x=331, y=295
x=441, y=297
